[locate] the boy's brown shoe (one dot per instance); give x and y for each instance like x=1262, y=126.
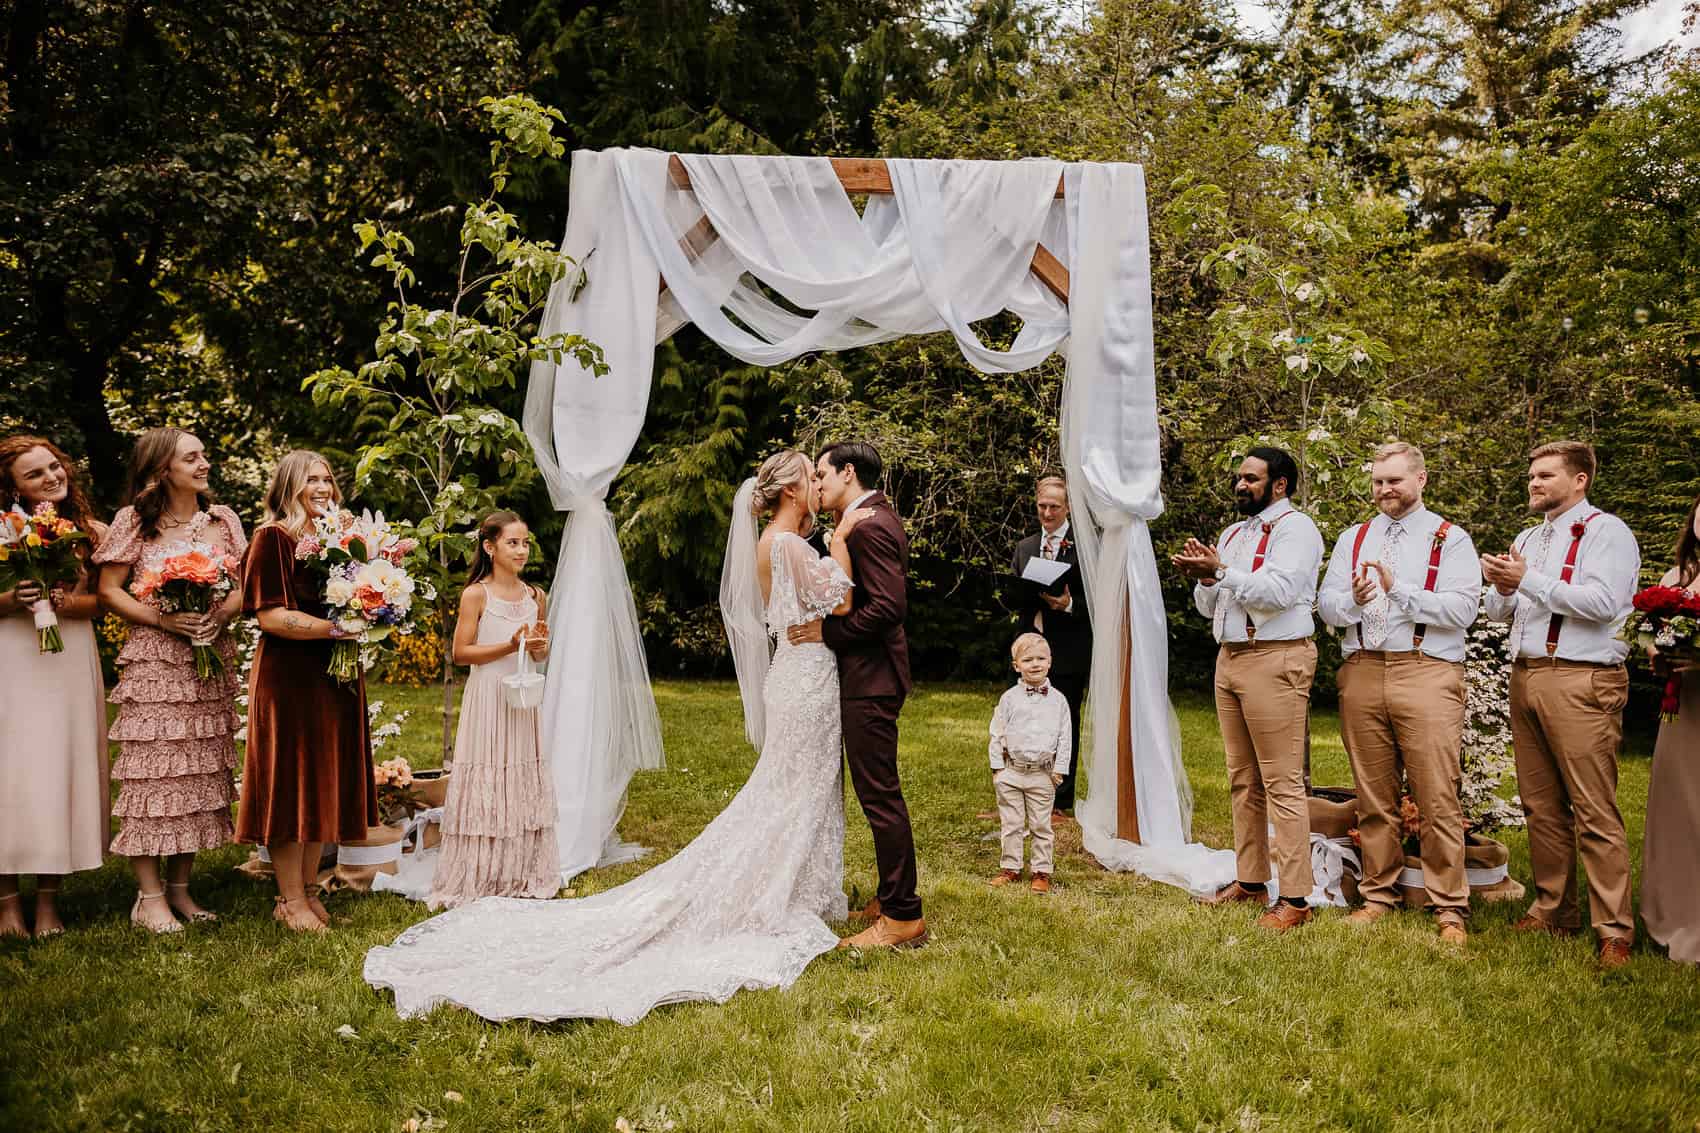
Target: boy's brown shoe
x=1041, y=883
x=1004, y=877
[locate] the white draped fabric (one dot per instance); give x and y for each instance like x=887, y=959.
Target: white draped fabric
x=951, y=245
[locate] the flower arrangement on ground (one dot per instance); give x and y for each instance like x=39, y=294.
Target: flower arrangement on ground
x=397, y=800
x=191, y=578
x=40, y=547
x=1666, y=618
x=368, y=590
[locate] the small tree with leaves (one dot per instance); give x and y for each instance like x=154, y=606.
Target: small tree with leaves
x=425, y=401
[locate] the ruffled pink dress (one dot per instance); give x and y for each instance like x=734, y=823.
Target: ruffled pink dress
x=176, y=734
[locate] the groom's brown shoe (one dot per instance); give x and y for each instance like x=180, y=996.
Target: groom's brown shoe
x=868, y=913
x=887, y=933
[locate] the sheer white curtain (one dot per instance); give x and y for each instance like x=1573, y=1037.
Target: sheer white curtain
x=1111, y=449
x=950, y=246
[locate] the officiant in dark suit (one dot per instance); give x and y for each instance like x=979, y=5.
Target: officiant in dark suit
x=1058, y=612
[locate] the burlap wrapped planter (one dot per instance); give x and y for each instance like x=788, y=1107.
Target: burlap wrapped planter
x=358, y=862
x=432, y=787
x=1485, y=868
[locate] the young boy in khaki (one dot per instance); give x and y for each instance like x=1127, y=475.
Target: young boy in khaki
x=1030, y=750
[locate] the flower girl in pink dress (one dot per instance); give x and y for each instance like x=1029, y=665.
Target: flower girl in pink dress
x=499, y=820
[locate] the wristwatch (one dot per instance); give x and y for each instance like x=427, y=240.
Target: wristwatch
x=1219, y=573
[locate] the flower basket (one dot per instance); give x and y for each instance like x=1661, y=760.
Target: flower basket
x=1486, y=864
x=358, y=862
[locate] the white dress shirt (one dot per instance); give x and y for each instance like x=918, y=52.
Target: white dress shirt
x=1278, y=596
x=859, y=500
x=1595, y=602
x=1447, y=610
x=1032, y=725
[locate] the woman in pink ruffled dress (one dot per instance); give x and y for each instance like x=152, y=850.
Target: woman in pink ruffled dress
x=176, y=733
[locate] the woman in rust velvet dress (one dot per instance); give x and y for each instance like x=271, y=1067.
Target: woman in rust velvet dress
x=308, y=775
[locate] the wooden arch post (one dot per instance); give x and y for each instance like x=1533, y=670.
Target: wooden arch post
x=870, y=176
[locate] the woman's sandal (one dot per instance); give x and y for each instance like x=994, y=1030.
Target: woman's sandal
x=155, y=927
x=281, y=912
x=199, y=916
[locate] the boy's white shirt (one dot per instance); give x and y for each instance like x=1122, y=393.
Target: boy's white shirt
x=1032, y=726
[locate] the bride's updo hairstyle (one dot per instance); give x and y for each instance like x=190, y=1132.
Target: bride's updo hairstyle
x=782, y=470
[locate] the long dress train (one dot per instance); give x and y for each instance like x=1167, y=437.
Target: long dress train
x=745, y=905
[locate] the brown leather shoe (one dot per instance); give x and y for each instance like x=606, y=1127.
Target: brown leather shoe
x=868, y=913
x=1231, y=892
x=1532, y=923
x=1284, y=917
x=1614, y=953
x=887, y=933
x=1004, y=877
x=1452, y=931
x=1367, y=914
x=1041, y=883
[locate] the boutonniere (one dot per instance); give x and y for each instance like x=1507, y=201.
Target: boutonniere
x=1577, y=528
x=1440, y=534
x=1064, y=545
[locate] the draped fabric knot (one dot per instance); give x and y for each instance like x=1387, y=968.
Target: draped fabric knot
x=585, y=503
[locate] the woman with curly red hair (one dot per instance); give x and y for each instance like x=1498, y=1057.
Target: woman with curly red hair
x=53, y=779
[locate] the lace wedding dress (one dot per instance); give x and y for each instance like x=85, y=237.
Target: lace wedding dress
x=745, y=905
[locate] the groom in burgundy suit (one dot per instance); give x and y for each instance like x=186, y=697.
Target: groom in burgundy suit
x=873, y=679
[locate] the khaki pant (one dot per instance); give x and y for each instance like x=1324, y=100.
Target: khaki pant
x=1024, y=807
x=1263, y=705
x=1405, y=712
x=1566, y=726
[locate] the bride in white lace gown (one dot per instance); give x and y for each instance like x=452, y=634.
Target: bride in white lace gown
x=746, y=904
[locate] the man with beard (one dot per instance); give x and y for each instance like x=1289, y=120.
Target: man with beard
x=1256, y=585
x=1404, y=587
x=1567, y=586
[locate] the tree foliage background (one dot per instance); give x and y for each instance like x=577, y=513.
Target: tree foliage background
x=1486, y=199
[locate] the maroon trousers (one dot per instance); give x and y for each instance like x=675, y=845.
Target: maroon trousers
x=870, y=743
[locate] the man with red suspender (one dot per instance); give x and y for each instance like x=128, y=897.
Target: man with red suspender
x=1404, y=587
x=1256, y=585
x=1567, y=586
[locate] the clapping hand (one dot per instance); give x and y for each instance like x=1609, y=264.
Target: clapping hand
x=537, y=641
x=1505, y=571
x=1198, y=560
x=1373, y=578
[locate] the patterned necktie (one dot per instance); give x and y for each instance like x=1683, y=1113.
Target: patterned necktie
x=1376, y=613
x=1050, y=551
x=1536, y=560
x=1237, y=552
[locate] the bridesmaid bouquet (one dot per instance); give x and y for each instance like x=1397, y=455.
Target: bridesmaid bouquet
x=1666, y=618
x=192, y=578
x=40, y=547
x=367, y=589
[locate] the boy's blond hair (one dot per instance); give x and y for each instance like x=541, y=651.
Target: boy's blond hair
x=1025, y=643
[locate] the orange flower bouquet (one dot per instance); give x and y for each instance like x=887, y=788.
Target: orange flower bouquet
x=192, y=578
x=40, y=547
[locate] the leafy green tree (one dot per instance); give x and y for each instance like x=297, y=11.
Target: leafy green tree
x=438, y=441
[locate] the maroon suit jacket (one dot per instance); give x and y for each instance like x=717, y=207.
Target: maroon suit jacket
x=873, y=653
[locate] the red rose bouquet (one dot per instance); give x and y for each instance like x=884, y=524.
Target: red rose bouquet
x=1666, y=618
x=192, y=578
x=40, y=547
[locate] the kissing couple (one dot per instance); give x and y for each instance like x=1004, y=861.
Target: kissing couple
x=823, y=667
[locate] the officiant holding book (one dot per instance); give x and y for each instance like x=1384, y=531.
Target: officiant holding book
x=1050, y=602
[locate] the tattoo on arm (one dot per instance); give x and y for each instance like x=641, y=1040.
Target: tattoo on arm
x=298, y=621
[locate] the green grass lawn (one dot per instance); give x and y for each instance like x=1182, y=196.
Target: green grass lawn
x=1112, y=1004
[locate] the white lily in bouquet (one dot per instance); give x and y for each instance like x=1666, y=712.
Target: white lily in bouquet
x=369, y=594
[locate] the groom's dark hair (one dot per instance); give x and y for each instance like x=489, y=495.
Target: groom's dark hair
x=863, y=455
